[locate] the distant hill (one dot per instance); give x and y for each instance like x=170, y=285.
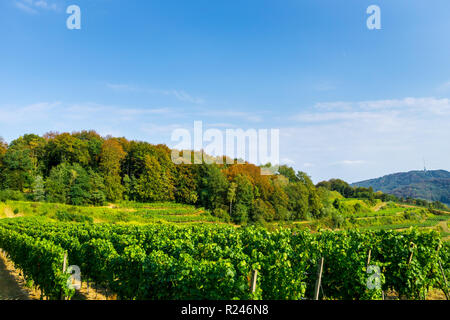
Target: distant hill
x=428, y=185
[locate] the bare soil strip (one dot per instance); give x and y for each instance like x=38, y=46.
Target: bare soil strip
x=13, y=286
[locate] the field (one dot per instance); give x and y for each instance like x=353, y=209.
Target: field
x=380, y=216
x=123, y=213
x=175, y=251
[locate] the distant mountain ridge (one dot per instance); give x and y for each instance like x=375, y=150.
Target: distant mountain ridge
x=433, y=185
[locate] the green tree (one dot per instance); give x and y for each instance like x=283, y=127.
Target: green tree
x=298, y=202
x=94, y=144
x=153, y=184
x=3, y=149
x=244, y=199
x=213, y=186
x=66, y=148
x=231, y=195
x=185, y=186
x=17, y=172
x=262, y=211
x=36, y=146
x=72, y=184
x=110, y=159
x=288, y=172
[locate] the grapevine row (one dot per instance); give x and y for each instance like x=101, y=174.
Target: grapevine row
x=211, y=262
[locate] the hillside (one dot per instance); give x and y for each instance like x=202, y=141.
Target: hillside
x=429, y=185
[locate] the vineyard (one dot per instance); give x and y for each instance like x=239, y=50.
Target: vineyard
x=216, y=262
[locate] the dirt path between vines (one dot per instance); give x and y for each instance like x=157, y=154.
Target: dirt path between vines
x=444, y=226
x=379, y=206
x=12, y=287
x=10, y=214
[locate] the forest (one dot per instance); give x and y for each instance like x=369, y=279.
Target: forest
x=86, y=169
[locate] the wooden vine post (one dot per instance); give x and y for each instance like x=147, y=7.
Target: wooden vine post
x=368, y=259
x=319, y=279
x=412, y=253
x=64, y=271
x=253, y=283
x=445, y=279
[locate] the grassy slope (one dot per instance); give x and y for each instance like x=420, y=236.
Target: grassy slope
x=123, y=213
x=356, y=213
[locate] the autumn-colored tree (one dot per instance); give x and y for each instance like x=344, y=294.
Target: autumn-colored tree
x=262, y=183
x=85, y=168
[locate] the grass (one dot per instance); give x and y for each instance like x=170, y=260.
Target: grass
x=130, y=213
x=429, y=222
x=388, y=216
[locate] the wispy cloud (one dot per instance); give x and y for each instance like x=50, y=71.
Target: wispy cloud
x=180, y=95
x=247, y=116
x=376, y=110
x=365, y=139
x=445, y=87
x=58, y=111
x=349, y=162
x=33, y=6
x=287, y=161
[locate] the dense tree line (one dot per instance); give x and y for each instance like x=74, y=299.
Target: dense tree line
x=84, y=168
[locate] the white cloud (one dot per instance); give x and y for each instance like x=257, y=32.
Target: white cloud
x=248, y=116
x=32, y=6
x=55, y=112
x=350, y=162
x=429, y=104
x=178, y=94
x=373, y=137
x=287, y=161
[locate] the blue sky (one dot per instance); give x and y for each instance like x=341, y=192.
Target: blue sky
x=349, y=102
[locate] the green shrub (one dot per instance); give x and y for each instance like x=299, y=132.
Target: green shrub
x=11, y=195
x=222, y=214
x=73, y=217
